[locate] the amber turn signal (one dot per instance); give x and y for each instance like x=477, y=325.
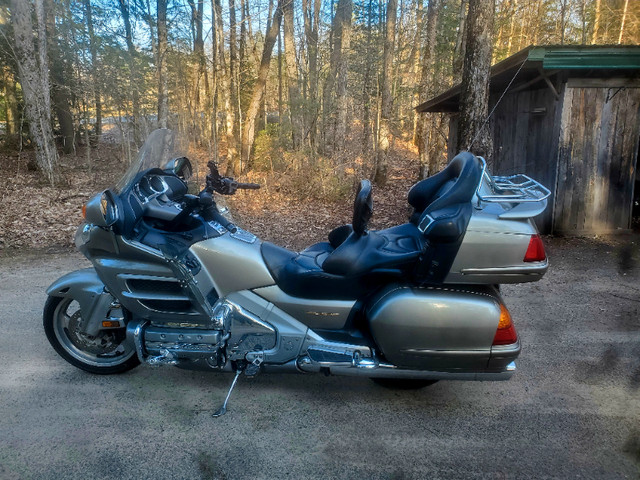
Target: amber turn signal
x=110, y=324
x=506, y=332
x=84, y=211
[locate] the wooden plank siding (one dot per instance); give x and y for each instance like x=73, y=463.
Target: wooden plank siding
x=597, y=157
x=523, y=140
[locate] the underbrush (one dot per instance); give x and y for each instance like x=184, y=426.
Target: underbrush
x=301, y=174
x=302, y=196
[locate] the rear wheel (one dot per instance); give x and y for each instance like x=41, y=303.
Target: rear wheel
x=403, y=383
x=105, y=353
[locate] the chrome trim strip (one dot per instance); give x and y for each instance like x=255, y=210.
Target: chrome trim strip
x=532, y=269
x=143, y=247
x=391, y=371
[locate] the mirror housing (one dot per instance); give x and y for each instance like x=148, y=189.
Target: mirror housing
x=102, y=209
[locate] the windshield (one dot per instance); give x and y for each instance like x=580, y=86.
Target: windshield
x=158, y=150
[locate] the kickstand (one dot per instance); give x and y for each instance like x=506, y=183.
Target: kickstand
x=223, y=409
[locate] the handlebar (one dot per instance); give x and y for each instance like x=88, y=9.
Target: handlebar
x=225, y=185
x=248, y=186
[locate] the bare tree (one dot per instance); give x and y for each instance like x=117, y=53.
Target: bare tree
x=133, y=69
x=163, y=88
x=384, y=137
x=95, y=68
x=596, y=22
x=60, y=78
x=258, y=88
x=35, y=85
x=311, y=23
x=458, y=55
x=473, y=133
x=622, y=22
x=293, y=79
x=337, y=77
x=426, y=126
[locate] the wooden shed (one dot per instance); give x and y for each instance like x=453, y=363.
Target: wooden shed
x=571, y=120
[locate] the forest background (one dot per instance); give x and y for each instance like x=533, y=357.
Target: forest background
x=303, y=96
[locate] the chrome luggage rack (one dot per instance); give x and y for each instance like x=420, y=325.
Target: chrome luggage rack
x=511, y=189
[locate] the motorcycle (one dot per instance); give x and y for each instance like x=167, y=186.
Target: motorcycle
x=176, y=282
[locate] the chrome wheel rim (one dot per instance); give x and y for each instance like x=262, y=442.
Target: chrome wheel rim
x=103, y=350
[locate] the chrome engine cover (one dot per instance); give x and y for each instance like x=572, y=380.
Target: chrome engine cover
x=191, y=343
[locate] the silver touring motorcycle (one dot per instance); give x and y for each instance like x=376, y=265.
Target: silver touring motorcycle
x=175, y=282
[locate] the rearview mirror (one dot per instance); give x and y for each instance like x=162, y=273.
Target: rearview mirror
x=180, y=166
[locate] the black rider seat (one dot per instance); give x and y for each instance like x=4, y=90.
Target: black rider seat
x=355, y=260
x=349, y=271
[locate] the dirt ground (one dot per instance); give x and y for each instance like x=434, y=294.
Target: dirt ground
x=571, y=411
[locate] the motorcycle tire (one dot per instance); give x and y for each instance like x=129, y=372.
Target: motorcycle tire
x=403, y=383
x=81, y=351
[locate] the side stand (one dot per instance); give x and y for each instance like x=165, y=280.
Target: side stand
x=223, y=409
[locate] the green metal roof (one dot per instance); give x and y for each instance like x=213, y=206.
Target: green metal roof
x=586, y=56
x=593, y=60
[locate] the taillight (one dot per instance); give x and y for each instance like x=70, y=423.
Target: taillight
x=506, y=332
x=535, y=251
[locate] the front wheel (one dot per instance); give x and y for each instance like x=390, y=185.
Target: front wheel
x=104, y=354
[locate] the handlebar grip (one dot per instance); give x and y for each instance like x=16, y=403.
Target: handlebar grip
x=248, y=186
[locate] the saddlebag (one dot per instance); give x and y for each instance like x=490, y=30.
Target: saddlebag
x=435, y=328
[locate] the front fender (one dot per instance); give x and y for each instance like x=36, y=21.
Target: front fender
x=85, y=287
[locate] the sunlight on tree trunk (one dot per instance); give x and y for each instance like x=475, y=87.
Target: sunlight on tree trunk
x=473, y=134
x=35, y=85
x=384, y=140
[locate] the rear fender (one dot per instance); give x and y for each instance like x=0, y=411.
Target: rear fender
x=85, y=287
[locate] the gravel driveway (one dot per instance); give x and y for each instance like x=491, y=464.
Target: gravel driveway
x=571, y=411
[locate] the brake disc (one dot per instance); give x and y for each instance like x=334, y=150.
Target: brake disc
x=101, y=344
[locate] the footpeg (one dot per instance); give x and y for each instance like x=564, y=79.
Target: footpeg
x=165, y=358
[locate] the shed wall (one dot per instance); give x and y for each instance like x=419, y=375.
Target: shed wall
x=597, y=157
x=525, y=140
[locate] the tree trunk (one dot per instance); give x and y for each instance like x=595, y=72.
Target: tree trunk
x=35, y=85
x=473, y=133
x=414, y=63
x=513, y=6
x=622, y=22
x=133, y=69
x=341, y=34
x=163, y=88
x=222, y=80
x=341, y=80
x=10, y=102
x=293, y=80
x=366, y=137
x=197, y=14
x=258, y=88
x=596, y=22
x=96, y=69
x=459, y=52
x=425, y=128
x=311, y=22
x=60, y=74
x=233, y=73
x=384, y=139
